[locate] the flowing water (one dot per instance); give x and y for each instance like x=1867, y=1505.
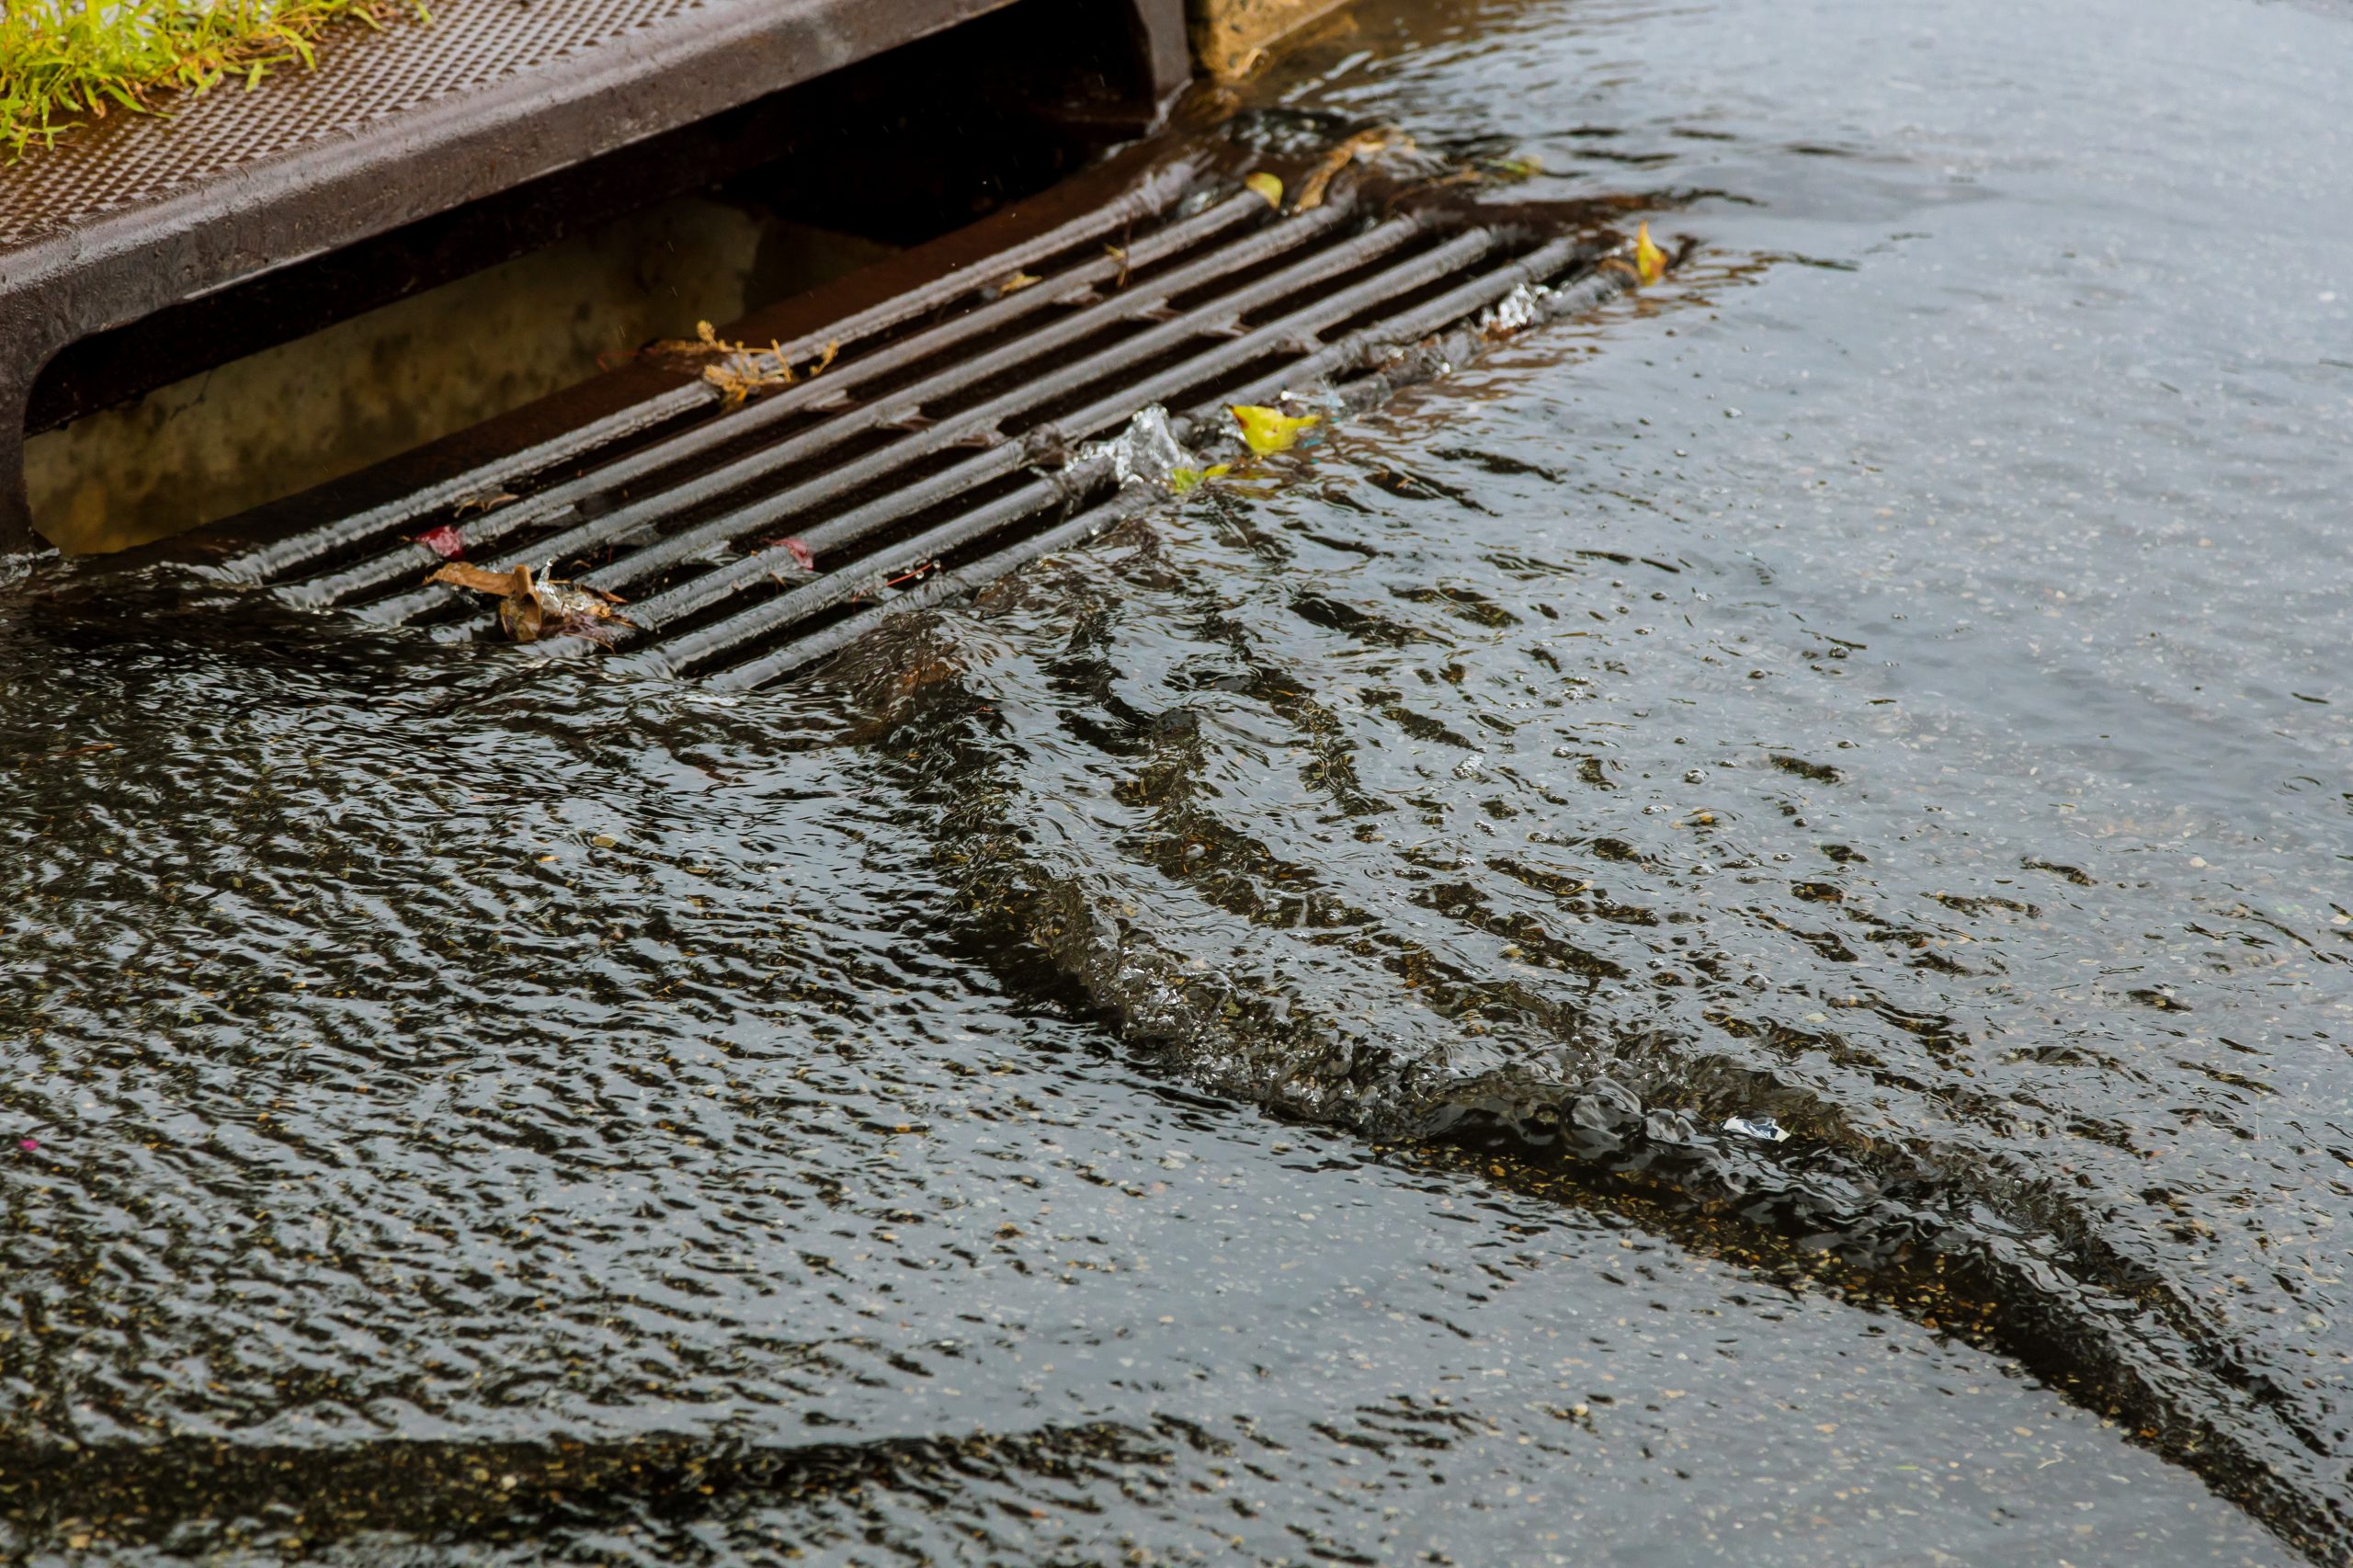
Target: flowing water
x=1224, y=1048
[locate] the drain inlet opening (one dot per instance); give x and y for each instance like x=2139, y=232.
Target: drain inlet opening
x=927, y=424
x=225, y=404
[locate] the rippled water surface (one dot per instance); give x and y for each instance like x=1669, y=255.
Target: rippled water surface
x=1233, y=1061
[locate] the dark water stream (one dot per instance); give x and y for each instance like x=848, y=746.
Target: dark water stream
x=1233, y=1062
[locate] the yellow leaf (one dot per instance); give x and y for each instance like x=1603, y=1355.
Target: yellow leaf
x=1650, y=262
x=1268, y=430
x=1018, y=282
x=1269, y=187
x=1184, y=481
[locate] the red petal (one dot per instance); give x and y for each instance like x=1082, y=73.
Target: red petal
x=802, y=555
x=444, y=541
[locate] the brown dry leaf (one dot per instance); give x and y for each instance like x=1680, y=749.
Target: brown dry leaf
x=483, y=501
x=742, y=376
x=530, y=611
x=1312, y=189
x=482, y=580
x=744, y=367
x=521, y=615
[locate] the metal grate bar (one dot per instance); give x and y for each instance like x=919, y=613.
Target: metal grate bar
x=978, y=422
x=1223, y=314
x=800, y=603
x=1151, y=198
x=1352, y=352
x=906, y=404
x=298, y=551
x=823, y=593
x=1456, y=304
x=1300, y=325
x=954, y=445
x=935, y=589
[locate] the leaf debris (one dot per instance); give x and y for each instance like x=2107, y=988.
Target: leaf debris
x=744, y=369
x=1185, y=481
x=1269, y=430
x=1648, y=264
x=533, y=609
x=1363, y=144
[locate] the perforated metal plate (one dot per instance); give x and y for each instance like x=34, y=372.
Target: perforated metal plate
x=479, y=58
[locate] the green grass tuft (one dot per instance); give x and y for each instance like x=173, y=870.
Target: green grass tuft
x=64, y=62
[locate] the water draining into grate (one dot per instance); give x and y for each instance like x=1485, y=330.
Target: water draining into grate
x=948, y=441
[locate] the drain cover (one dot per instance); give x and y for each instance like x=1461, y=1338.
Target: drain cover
x=956, y=429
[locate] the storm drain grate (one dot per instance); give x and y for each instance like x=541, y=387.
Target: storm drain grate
x=957, y=432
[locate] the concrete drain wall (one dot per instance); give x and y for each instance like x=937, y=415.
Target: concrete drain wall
x=322, y=407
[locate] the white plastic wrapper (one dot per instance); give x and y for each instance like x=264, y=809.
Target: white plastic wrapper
x=1147, y=450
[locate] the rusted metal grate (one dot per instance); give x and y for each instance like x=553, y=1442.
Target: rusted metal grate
x=949, y=441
